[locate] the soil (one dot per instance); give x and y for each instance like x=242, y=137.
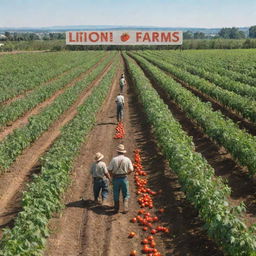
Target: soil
x=22, y=121
x=11, y=184
x=84, y=228
x=24, y=93
x=243, y=188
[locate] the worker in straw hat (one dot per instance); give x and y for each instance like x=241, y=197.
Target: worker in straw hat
x=100, y=176
x=120, y=166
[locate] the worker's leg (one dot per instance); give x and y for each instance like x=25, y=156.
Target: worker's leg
x=125, y=192
x=125, y=188
x=116, y=192
x=104, y=189
x=118, y=112
x=96, y=189
x=122, y=113
x=121, y=88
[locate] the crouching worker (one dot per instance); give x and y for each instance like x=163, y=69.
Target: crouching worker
x=120, y=166
x=100, y=176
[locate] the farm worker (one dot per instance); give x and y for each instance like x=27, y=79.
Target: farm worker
x=122, y=83
x=119, y=107
x=119, y=167
x=100, y=175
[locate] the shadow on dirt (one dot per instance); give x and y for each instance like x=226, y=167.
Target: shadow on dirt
x=110, y=123
x=92, y=206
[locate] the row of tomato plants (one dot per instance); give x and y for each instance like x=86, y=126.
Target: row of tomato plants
x=17, y=108
x=44, y=195
x=218, y=80
x=239, y=61
x=240, y=144
x=204, y=62
x=206, y=191
x=242, y=105
x=22, y=72
x=13, y=145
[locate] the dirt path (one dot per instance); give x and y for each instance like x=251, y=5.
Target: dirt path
x=13, y=182
x=86, y=229
x=22, y=121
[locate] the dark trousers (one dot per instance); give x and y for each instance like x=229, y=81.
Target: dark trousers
x=119, y=112
x=100, y=185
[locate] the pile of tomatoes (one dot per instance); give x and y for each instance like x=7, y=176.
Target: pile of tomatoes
x=119, y=131
x=144, y=218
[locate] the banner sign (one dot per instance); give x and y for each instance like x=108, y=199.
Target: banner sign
x=144, y=37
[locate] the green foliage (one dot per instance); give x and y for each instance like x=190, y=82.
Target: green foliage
x=17, y=108
x=44, y=194
x=240, y=144
x=252, y=32
x=231, y=33
x=22, y=72
x=244, y=106
x=206, y=191
x=15, y=143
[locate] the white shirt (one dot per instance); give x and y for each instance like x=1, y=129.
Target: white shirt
x=122, y=81
x=99, y=169
x=120, y=99
x=120, y=165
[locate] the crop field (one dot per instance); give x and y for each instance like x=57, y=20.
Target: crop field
x=189, y=127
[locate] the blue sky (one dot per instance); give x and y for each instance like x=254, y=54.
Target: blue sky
x=168, y=13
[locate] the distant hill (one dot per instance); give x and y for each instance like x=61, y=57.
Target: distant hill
x=107, y=27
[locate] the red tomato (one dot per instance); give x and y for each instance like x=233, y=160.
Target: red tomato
x=132, y=234
x=133, y=253
x=144, y=241
x=133, y=220
x=161, y=210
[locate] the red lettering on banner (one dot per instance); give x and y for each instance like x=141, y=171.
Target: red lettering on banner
x=155, y=37
x=176, y=36
x=94, y=34
x=138, y=36
x=71, y=38
x=166, y=37
x=146, y=37
x=80, y=36
x=104, y=37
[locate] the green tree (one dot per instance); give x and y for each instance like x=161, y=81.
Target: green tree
x=187, y=35
x=252, y=32
x=199, y=35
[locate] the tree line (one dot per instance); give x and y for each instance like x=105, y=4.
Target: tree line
x=226, y=33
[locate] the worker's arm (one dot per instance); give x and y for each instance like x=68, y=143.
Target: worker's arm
x=108, y=175
x=110, y=168
x=130, y=167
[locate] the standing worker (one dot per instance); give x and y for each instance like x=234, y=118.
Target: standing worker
x=119, y=107
x=120, y=166
x=122, y=83
x=100, y=175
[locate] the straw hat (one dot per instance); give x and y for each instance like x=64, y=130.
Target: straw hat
x=98, y=156
x=120, y=148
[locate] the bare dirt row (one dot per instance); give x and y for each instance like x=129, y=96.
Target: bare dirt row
x=13, y=182
x=84, y=228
